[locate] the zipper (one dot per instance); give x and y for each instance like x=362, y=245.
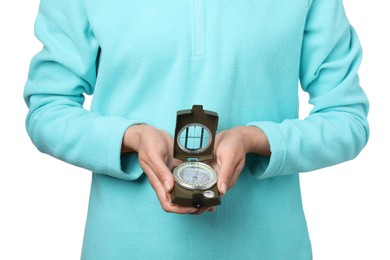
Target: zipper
x=197, y=48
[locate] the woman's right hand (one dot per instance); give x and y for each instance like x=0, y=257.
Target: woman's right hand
x=155, y=154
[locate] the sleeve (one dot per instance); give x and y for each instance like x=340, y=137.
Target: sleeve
x=337, y=128
x=60, y=74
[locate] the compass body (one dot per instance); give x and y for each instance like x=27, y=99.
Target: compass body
x=195, y=181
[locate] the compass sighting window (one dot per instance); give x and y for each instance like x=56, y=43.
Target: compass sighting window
x=194, y=138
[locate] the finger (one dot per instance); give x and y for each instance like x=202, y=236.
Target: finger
x=225, y=174
x=202, y=210
x=230, y=169
x=162, y=172
x=163, y=196
x=174, y=162
x=213, y=209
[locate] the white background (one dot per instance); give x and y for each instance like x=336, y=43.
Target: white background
x=43, y=201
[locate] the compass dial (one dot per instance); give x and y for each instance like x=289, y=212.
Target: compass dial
x=195, y=176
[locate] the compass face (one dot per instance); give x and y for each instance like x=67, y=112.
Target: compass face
x=195, y=176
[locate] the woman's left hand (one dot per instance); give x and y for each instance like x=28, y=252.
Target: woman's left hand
x=230, y=149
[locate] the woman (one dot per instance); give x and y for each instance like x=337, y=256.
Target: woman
x=243, y=59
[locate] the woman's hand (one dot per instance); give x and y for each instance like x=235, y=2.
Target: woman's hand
x=155, y=154
x=230, y=149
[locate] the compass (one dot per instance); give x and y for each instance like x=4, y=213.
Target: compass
x=195, y=181
x=195, y=176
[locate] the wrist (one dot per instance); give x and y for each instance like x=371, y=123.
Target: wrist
x=132, y=138
x=255, y=141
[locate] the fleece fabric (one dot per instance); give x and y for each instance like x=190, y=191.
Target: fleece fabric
x=245, y=60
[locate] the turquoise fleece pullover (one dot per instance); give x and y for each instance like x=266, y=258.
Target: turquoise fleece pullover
x=244, y=59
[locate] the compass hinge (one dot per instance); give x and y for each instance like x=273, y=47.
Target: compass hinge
x=192, y=159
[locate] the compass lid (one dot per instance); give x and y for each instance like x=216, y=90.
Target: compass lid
x=195, y=134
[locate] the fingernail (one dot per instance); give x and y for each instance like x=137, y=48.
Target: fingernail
x=223, y=188
x=166, y=186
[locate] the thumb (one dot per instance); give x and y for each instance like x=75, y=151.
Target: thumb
x=163, y=174
x=225, y=175
x=229, y=171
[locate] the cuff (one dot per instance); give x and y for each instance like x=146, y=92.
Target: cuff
x=263, y=167
x=122, y=166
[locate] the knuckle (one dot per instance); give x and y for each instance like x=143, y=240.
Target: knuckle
x=142, y=157
x=151, y=155
x=231, y=155
x=228, y=178
x=160, y=173
x=165, y=208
